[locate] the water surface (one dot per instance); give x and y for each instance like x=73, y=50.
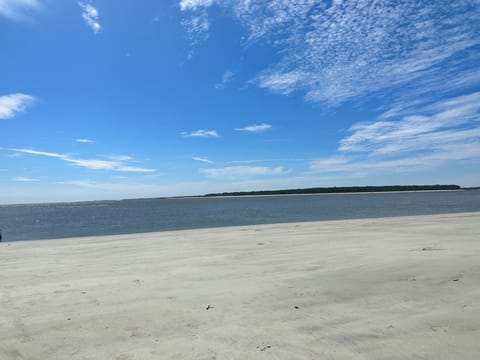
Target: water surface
x=47, y=221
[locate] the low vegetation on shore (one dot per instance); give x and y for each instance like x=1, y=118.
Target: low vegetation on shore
x=344, y=189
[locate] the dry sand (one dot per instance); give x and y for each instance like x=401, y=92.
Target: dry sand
x=397, y=288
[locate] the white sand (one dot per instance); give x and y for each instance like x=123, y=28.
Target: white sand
x=397, y=288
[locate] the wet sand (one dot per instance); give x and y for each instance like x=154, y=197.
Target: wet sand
x=392, y=288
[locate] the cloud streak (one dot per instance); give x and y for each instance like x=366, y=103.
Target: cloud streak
x=84, y=141
x=227, y=77
x=24, y=179
x=13, y=104
x=91, y=16
x=255, y=128
x=445, y=131
x=194, y=4
x=202, y=159
x=235, y=172
x=18, y=9
x=118, y=164
x=336, y=51
x=201, y=134
x=197, y=27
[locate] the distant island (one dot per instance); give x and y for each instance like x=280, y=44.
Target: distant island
x=342, y=189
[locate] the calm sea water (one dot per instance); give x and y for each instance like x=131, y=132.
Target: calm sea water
x=48, y=221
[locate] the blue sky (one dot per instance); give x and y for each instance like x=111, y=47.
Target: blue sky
x=120, y=99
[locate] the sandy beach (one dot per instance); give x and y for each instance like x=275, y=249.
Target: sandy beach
x=391, y=288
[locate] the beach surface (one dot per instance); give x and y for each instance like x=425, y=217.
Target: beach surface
x=390, y=288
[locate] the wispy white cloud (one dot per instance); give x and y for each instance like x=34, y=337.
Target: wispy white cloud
x=195, y=4
x=120, y=157
x=255, y=128
x=18, y=9
x=119, y=164
x=81, y=183
x=13, y=104
x=24, y=179
x=445, y=131
x=227, y=77
x=202, y=159
x=281, y=82
x=335, y=51
x=253, y=161
x=129, y=189
x=235, y=172
x=456, y=119
x=250, y=161
x=41, y=153
x=91, y=16
x=201, y=133
x=197, y=27
x=84, y=141
x=406, y=164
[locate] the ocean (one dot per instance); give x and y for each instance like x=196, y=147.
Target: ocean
x=61, y=220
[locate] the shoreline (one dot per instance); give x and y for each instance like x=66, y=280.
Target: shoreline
x=397, y=288
x=232, y=227
x=228, y=196
x=333, y=193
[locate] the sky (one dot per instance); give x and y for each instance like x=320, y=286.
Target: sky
x=126, y=99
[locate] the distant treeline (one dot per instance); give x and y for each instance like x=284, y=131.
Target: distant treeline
x=344, y=189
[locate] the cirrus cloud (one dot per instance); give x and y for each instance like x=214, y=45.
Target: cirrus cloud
x=24, y=179
x=194, y=4
x=84, y=141
x=18, y=9
x=336, y=51
x=235, y=172
x=13, y=104
x=115, y=164
x=445, y=131
x=201, y=134
x=227, y=77
x=91, y=16
x=255, y=128
x=202, y=159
